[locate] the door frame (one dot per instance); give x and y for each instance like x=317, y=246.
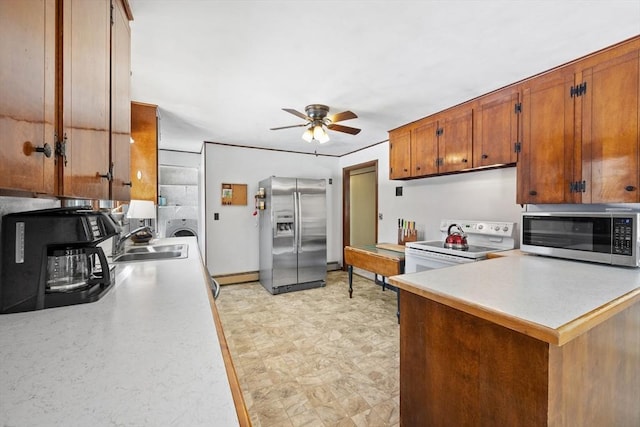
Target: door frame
x=346, y=201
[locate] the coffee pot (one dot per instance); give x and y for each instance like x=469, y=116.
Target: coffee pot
x=51, y=258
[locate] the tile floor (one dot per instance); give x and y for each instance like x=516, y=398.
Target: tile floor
x=315, y=357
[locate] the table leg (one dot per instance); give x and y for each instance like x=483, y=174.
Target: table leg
x=398, y=309
x=350, y=270
x=384, y=283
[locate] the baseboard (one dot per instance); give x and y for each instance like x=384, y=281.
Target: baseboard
x=254, y=276
x=231, y=279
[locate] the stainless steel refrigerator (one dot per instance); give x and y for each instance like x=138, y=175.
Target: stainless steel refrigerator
x=293, y=234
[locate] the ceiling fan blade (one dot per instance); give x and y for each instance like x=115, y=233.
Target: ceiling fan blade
x=345, y=129
x=292, y=126
x=296, y=113
x=345, y=115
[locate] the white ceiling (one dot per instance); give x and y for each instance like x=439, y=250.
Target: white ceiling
x=222, y=71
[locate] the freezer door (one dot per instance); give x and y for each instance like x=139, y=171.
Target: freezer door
x=283, y=232
x=312, y=227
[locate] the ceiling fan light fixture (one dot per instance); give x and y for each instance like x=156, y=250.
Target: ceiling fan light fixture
x=323, y=137
x=318, y=132
x=308, y=135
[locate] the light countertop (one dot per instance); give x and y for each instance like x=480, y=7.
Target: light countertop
x=145, y=354
x=550, y=299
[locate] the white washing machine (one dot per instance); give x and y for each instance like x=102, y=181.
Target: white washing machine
x=181, y=227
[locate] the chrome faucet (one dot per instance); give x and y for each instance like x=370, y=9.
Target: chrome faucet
x=118, y=246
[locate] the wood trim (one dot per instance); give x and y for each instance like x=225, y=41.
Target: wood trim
x=127, y=9
x=346, y=205
x=229, y=279
x=269, y=149
x=234, y=384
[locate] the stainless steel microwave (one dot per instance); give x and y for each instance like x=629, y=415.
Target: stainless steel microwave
x=604, y=237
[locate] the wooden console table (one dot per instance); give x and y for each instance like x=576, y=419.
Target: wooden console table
x=384, y=259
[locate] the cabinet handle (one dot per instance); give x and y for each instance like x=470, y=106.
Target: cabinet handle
x=533, y=193
x=108, y=176
x=464, y=160
x=127, y=184
x=46, y=149
x=418, y=168
x=485, y=156
x=406, y=170
x=630, y=188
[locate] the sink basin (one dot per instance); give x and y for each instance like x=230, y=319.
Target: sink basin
x=151, y=253
x=156, y=249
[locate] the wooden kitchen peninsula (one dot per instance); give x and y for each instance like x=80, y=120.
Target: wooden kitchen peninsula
x=520, y=341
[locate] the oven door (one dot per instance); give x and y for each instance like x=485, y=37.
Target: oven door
x=416, y=260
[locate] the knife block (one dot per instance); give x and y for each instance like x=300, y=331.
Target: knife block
x=405, y=235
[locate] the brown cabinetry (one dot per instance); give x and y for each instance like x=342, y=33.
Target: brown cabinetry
x=424, y=148
x=455, y=139
x=144, y=151
x=496, y=128
x=56, y=104
x=400, y=153
x=27, y=93
x=84, y=126
x=433, y=145
x=609, y=131
x=120, y=102
x=580, y=131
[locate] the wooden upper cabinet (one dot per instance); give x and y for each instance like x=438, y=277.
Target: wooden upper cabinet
x=496, y=128
x=400, y=153
x=85, y=98
x=424, y=148
x=545, y=167
x=27, y=94
x=610, y=130
x=455, y=139
x=144, y=151
x=120, y=103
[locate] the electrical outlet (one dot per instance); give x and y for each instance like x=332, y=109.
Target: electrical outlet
x=398, y=191
x=216, y=216
x=380, y=216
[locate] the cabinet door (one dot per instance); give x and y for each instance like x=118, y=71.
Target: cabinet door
x=85, y=100
x=545, y=166
x=424, y=149
x=400, y=153
x=120, y=103
x=144, y=151
x=496, y=128
x=455, y=140
x=610, y=126
x=27, y=79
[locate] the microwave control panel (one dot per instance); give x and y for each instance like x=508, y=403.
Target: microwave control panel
x=623, y=236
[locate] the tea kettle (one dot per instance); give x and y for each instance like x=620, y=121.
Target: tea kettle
x=456, y=239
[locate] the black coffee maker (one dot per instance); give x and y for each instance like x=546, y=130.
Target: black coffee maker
x=50, y=258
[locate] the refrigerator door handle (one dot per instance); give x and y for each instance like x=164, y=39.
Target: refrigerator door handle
x=296, y=228
x=299, y=222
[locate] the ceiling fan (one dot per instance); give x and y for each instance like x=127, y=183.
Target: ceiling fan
x=318, y=121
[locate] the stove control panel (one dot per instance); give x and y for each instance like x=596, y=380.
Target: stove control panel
x=486, y=228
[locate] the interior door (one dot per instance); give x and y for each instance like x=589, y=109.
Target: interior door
x=312, y=225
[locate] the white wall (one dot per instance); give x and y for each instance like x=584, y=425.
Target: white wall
x=482, y=195
x=232, y=241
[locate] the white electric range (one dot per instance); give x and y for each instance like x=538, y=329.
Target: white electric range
x=483, y=237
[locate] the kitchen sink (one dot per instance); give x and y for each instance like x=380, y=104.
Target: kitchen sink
x=151, y=253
